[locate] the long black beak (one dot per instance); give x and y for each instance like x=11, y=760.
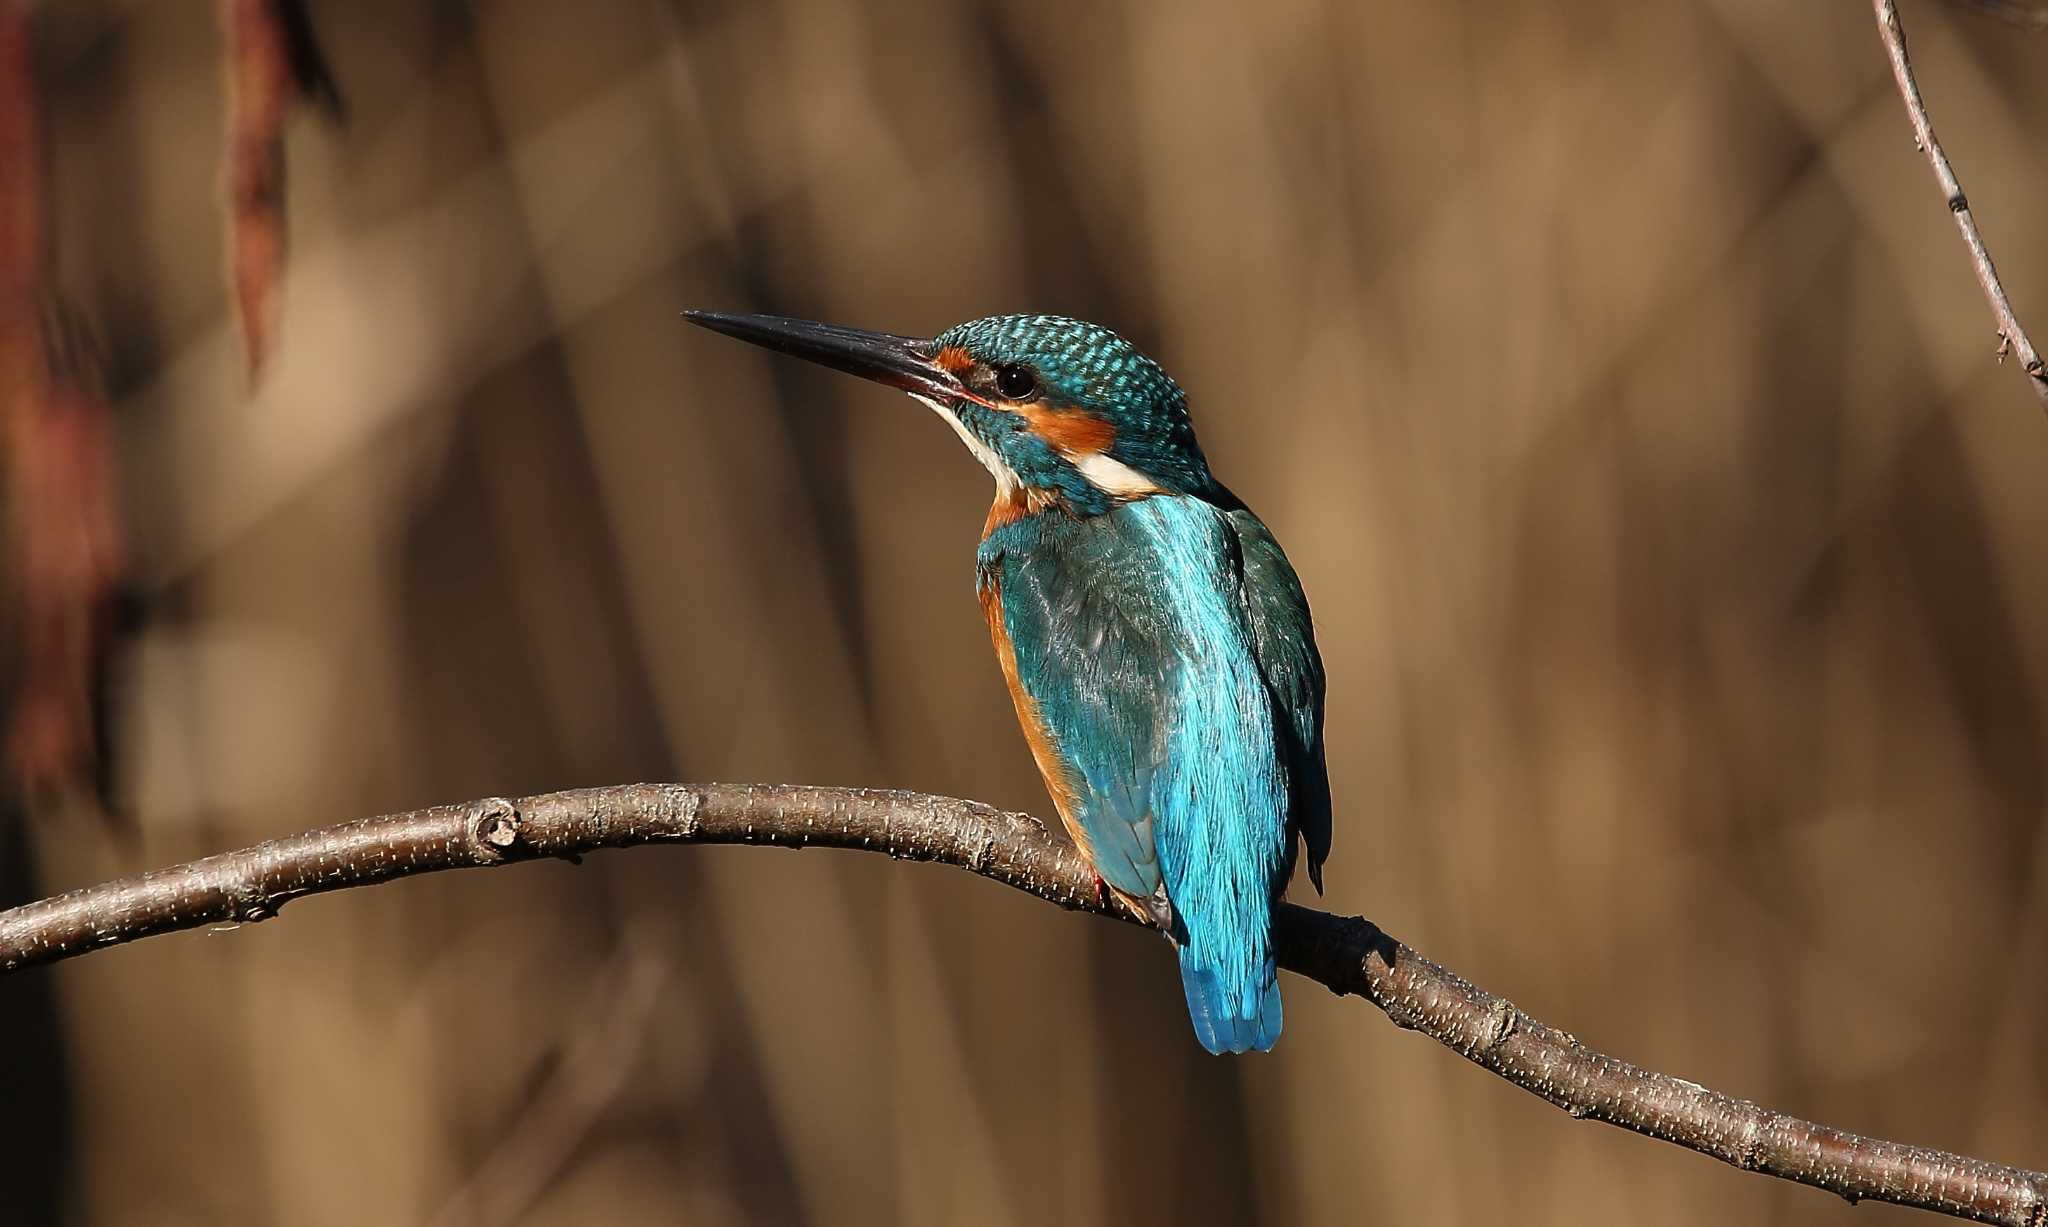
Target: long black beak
x=899, y=362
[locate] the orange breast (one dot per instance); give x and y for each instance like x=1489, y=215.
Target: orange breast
x=1044, y=752
x=1013, y=505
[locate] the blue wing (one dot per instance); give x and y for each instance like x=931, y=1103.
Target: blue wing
x=1134, y=648
x=1283, y=639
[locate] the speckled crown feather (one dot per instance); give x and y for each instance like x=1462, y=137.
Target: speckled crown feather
x=1089, y=367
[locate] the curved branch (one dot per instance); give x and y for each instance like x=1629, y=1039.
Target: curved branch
x=1345, y=954
x=2011, y=337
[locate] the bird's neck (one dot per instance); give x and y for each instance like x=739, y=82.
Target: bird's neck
x=1016, y=502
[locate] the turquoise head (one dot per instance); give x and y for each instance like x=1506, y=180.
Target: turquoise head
x=1065, y=414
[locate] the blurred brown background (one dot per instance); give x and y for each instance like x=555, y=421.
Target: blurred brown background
x=1611, y=372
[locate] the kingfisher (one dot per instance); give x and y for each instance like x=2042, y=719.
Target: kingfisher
x=1154, y=638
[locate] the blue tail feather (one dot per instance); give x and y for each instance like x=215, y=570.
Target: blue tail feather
x=1219, y=1021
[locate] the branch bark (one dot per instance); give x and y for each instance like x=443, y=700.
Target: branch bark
x=2011, y=337
x=1348, y=955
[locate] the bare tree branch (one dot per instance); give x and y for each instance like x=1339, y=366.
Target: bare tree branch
x=1345, y=954
x=2011, y=336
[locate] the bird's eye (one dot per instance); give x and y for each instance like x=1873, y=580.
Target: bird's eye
x=1016, y=382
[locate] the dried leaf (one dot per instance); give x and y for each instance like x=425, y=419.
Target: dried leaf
x=67, y=560
x=64, y=552
x=273, y=62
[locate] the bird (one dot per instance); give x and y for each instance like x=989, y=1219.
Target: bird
x=1154, y=637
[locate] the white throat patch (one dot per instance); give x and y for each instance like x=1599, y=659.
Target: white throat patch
x=1007, y=482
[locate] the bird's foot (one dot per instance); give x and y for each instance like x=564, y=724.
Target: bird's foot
x=1101, y=890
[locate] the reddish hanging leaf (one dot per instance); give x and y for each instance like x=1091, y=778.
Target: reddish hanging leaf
x=22, y=376
x=260, y=90
x=67, y=559
x=63, y=538
x=273, y=61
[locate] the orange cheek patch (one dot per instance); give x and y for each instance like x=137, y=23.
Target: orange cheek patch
x=953, y=358
x=1071, y=431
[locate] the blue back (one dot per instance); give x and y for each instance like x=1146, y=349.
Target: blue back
x=1165, y=645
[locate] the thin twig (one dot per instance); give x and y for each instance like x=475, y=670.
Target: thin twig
x=1346, y=954
x=2011, y=337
